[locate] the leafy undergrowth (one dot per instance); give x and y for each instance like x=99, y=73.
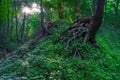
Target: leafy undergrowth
x=50, y=61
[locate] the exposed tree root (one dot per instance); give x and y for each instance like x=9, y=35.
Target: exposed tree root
x=77, y=54
x=81, y=28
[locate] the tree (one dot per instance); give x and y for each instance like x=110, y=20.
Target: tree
x=85, y=27
x=94, y=1
x=60, y=10
x=8, y=19
x=116, y=6
x=16, y=20
x=77, y=9
x=23, y=26
x=42, y=18
x=96, y=21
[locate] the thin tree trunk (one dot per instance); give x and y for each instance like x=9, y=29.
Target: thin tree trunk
x=16, y=19
x=42, y=18
x=77, y=10
x=60, y=10
x=11, y=23
x=23, y=26
x=27, y=28
x=106, y=6
x=116, y=7
x=94, y=2
x=8, y=20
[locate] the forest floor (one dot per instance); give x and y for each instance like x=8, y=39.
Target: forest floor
x=48, y=61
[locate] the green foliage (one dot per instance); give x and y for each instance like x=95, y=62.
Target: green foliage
x=53, y=61
x=48, y=61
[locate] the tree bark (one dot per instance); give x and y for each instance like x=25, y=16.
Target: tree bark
x=96, y=21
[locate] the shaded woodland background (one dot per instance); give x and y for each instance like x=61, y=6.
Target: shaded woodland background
x=46, y=39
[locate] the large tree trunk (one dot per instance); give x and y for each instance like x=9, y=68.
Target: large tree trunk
x=86, y=27
x=95, y=21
